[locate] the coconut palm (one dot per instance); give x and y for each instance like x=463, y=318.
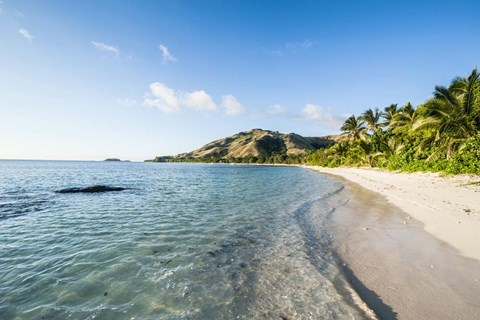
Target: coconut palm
x=353, y=128
x=405, y=117
x=446, y=114
x=389, y=114
x=338, y=152
x=468, y=91
x=372, y=119
x=392, y=146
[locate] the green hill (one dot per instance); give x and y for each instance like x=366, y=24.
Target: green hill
x=254, y=145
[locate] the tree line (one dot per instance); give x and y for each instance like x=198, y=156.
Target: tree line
x=443, y=134
x=274, y=158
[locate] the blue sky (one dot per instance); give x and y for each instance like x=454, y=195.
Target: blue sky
x=129, y=79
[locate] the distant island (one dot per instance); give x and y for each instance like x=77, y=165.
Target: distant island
x=116, y=159
x=255, y=146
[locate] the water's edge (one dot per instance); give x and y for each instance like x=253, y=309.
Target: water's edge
x=181, y=242
x=395, y=265
x=365, y=300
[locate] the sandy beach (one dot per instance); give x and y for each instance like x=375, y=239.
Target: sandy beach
x=449, y=207
x=410, y=242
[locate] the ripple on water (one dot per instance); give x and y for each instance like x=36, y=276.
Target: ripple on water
x=185, y=241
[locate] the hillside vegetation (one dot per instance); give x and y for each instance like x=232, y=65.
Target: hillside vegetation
x=255, y=146
x=443, y=134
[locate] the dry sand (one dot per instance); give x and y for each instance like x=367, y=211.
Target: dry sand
x=398, y=268
x=449, y=207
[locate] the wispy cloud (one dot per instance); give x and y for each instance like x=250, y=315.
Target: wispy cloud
x=325, y=116
x=276, y=110
x=167, y=56
x=127, y=102
x=231, y=105
x=169, y=100
x=300, y=45
x=21, y=15
x=293, y=47
x=26, y=34
x=102, y=47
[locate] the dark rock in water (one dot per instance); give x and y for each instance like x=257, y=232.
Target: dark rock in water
x=91, y=189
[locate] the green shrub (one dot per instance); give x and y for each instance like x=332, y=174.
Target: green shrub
x=467, y=160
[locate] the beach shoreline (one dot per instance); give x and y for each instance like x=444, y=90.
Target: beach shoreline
x=393, y=260
x=449, y=207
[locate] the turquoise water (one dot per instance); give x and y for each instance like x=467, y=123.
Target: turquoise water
x=185, y=241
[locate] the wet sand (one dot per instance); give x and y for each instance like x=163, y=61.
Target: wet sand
x=449, y=206
x=400, y=270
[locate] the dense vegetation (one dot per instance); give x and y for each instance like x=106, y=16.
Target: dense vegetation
x=443, y=134
x=275, y=158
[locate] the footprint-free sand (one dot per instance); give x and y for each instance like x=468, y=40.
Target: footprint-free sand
x=412, y=241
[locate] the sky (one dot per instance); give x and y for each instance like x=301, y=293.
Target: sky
x=89, y=80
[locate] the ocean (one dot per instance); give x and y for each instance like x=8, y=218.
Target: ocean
x=184, y=241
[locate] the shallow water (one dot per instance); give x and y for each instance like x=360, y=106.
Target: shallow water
x=185, y=241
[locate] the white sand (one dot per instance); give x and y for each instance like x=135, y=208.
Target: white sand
x=449, y=207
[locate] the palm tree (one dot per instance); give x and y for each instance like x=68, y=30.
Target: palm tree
x=338, y=152
x=392, y=146
x=447, y=115
x=353, y=128
x=405, y=117
x=372, y=119
x=468, y=91
x=389, y=114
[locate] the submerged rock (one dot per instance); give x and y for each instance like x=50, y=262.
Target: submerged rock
x=91, y=189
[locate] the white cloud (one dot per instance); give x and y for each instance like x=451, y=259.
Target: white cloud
x=26, y=34
x=276, y=109
x=305, y=44
x=198, y=100
x=21, y=15
x=231, y=105
x=127, y=102
x=324, y=116
x=102, y=47
x=167, y=56
x=169, y=100
x=293, y=47
x=162, y=97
